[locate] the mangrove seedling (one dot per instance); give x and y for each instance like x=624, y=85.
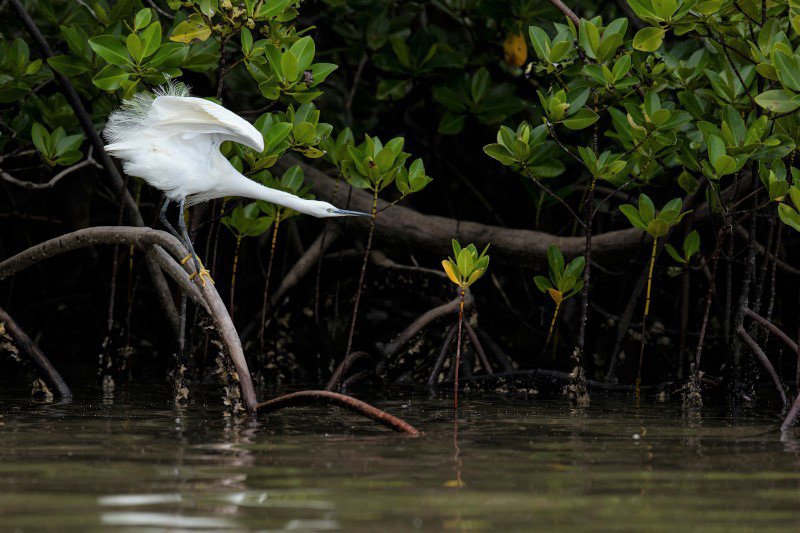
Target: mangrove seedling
x=291, y=182
x=691, y=244
x=466, y=269
x=374, y=166
x=244, y=221
x=562, y=282
x=657, y=225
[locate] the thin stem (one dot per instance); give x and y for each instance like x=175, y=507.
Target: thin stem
x=373, y=216
x=233, y=272
x=458, y=348
x=553, y=195
x=558, y=4
x=264, y=300
x=644, y=318
x=552, y=326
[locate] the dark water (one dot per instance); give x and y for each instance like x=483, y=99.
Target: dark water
x=127, y=464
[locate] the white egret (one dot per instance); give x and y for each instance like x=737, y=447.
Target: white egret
x=171, y=140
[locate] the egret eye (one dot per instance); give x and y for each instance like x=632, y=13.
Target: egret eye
x=330, y=210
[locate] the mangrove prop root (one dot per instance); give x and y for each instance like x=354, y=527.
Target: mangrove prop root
x=476, y=344
x=791, y=415
x=342, y=369
x=307, y=261
x=334, y=398
x=762, y=358
x=33, y=351
x=771, y=327
x=426, y=318
x=437, y=366
x=156, y=241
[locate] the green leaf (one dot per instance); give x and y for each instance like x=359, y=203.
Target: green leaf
x=716, y=149
x=151, y=39
x=673, y=253
x=41, y=139
x=67, y=65
x=691, y=244
x=189, y=30
x=657, y=228
x=499, y=152
x=556, y=261
x=789, y=216
x=648, y=39
x=480, y=84
x=777, y=101
x=542, y=283
x=646, y=208
x=589, y=38
x=134, y=45
x=584, y=118
x=110, y=77
x=304, y=50
x=320, y=71
x=271, y=8
x=540, y=41
x=142, y=18
x=289, y=66
x=110, y=49
x=788, y=71
x=632, y=214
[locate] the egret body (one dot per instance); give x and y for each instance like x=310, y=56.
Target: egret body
x=171, y=140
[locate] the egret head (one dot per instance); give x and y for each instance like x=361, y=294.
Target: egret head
x=326, y=210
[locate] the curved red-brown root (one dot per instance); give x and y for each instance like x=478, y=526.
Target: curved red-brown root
x=334, y=398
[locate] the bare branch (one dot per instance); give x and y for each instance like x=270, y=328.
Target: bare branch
x=55, y=179
x=558, y=4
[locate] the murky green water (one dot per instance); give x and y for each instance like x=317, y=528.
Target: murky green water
x=523, y=465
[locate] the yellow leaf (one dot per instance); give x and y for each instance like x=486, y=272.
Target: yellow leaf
x=556, y=295
x=449, y=269
x=454, y=483
x=515, y=50
x=189, y=30
x=474, y=277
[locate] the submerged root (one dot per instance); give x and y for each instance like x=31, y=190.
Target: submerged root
x=576, y=391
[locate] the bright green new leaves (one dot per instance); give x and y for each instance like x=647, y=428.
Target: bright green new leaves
x=551, y=53
x=373, y=165
x=526, y=148
x=563, y=281
x=615, y=77
x=336, y=151
x=290, y=71
x=601, y=46
x=567, y=108
x=646, y=218
x=789, y=215
x=56, y=147
x=606, y=167
x=661, y=14
x=137, y=57
x=468, y=266
x=247, y=221
x=691, y=244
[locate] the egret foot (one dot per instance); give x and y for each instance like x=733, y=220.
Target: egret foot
x=200, y=269
x=203, y=272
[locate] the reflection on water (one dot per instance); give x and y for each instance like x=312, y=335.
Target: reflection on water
x=503, y=465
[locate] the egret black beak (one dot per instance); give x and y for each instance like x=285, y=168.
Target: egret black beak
x=346, y=213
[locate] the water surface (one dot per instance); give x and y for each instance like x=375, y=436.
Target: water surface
x=131, y=462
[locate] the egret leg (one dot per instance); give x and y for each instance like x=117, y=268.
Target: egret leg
x=201, y=271
x=162, y=217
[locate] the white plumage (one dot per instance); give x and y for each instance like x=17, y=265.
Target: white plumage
x=171, y=140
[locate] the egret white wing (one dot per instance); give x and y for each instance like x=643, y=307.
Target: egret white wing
x=195, y=116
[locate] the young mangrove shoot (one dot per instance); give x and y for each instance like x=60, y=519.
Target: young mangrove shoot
x=465, y=270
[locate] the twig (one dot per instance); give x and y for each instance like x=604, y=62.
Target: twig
x=334, y=398
x=160, y=11
x=558, y=4
x=33, y=351
x=55, y=179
